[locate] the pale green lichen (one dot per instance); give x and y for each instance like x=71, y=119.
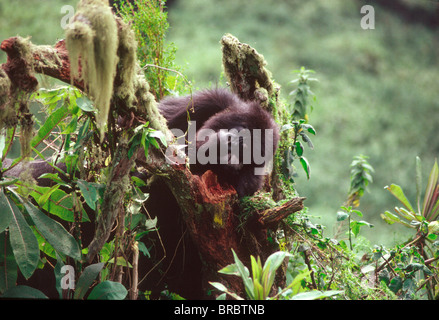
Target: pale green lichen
x=244, y=67
x=127, y=53
x=93, y=38
x=147, y=104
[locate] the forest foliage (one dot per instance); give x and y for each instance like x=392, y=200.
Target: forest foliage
x=319, y=266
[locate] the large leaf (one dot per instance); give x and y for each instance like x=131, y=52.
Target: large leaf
x=54, y=232
x=24, y=292
x=23, y=242
x=58, y=274
x=5, y=211
x=399, y=194
x=86, y=279
x=59, y=203
x=89, y=191
x=272, y=263
x=314, y=295
x=418, y=183
x=85, y=104
x=245, y=276
x=431, y=192
x=219, y=286
x=108, y=290
x=8, y=266
x=49, y=124
x=391, y=218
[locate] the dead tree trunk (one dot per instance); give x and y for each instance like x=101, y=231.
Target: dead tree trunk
x=210, y=211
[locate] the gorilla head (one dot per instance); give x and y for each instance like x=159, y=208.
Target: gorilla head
x=233, y=138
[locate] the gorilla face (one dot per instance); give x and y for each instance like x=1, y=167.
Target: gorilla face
x=233, y=138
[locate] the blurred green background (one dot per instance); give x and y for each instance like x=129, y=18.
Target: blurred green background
x=377, y=93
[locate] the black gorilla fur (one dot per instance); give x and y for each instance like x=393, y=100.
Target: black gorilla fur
x=214, y=109
x=219, y=109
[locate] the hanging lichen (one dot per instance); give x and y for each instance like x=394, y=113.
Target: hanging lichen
x=146, y=104
x=8, y=116
x=92, y=42
x=127, y=67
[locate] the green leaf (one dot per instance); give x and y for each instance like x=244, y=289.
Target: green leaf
x=314, y=295
x=8, y=266
x=244, y=273
x=358, y=213
x=305, y=166
x=430, y=196
x=44, y=245
x=89, y=191
x=399, y=194
x=410, y=216
x=151, y=224
x=59, y=204
x=24, y=292
x=259, y=292
x=134, y=143
x=143, y=249
x=272, y=263
x=309, y=128
x=158, y=135
x=306, y=139
x=256, y=267
x=71, y=161
x=54, y=177
x=230, y=269
x=49, y=124
x=108, y=290
x=341, y=215
x=2, y=145
x=219, y=286
x=418, y=183
x=23, y=242
x=45, y=196
x=85, y=104
x=409, y=285
x=296, y=284
x=356, y=226
x=86, y=279
x=8, y=182
x=54, y=232
x=390, y=218
x=433, y=227
x=299, y=148
x=395, y=284
x=5, y=211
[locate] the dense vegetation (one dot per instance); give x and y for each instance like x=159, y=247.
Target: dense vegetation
x=371, y=115
x=375, y=94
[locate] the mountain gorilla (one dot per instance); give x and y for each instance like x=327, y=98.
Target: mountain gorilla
x=220, y=132
x=233, y=138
